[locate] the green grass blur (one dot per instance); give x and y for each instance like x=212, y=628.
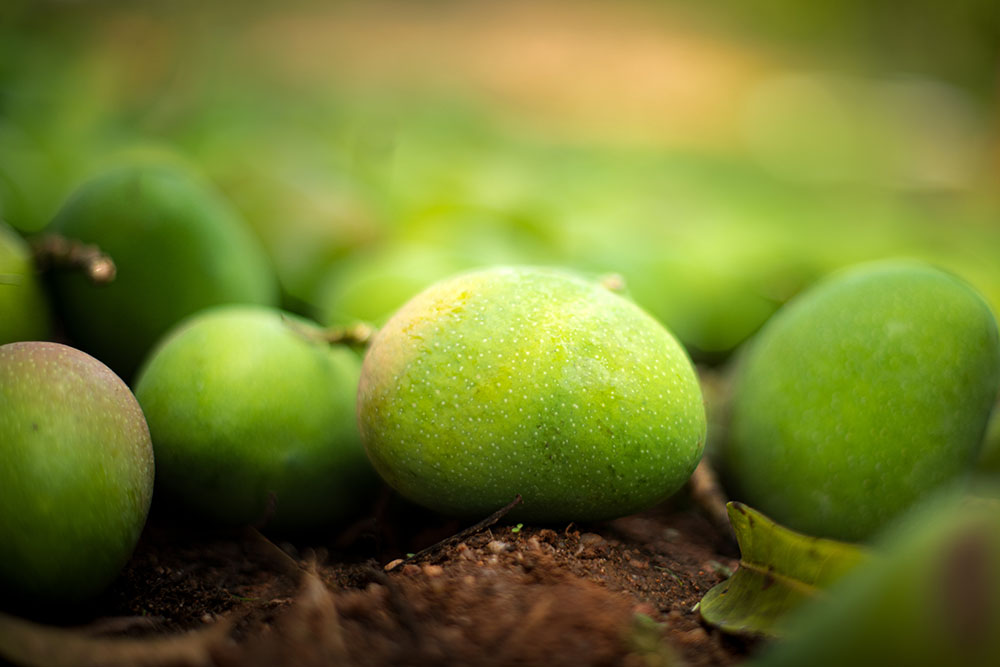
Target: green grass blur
x=719, y=160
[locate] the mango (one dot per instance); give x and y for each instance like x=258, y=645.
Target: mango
x=371, y=286
x=24, y=313
x=252, y=420
x=860, y=397
x=178, y=246
x=76, y=473
x=530, y=381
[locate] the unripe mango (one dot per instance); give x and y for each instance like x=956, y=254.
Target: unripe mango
x=860, y=397
x=76, y=473
x=370, y=287
x=535, y=382
x=23, y=309
x=178, y=247
x=253, y=421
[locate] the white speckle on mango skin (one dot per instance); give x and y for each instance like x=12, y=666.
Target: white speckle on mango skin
x=76, y=473
x=529, y=381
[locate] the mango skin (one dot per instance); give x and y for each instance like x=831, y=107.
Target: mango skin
x=76, y=473
x=178, y=246
x=860, y=397
x=253, y=422
x=519, y=380
x=24, y=313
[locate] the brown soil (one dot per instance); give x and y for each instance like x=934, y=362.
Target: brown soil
x=614, y=593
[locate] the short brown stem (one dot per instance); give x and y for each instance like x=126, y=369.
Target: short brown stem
x=358, y=335
x=53, y=251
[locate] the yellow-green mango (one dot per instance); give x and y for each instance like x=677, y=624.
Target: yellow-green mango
x=530, y=381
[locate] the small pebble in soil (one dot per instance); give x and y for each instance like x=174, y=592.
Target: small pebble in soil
x=592, y=545
x=497, y=546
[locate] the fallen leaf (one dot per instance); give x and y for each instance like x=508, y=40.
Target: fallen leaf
x=779, y=570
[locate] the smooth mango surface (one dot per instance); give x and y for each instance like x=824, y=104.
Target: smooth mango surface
x=253, y=422
x=860, y=397
x=76, y=473
x=178, y=246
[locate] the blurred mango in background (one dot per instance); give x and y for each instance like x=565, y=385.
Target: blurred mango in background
x=718, y=159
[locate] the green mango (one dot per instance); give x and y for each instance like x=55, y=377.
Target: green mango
x=535, y=382
x=252, y=419
x=24, y=313
x=370, y=287
x=76, y=473
x=860, y=397
x=930, y=597
x=178, y=246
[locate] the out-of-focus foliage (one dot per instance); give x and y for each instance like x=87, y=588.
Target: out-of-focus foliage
x=715, y=162
x=954, y=41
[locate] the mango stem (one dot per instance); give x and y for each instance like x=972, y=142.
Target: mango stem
x=54, y=251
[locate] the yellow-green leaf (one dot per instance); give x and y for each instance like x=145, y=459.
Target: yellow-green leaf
x=779, y=570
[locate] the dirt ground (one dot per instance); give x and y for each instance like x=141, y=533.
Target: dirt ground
x=621, y=592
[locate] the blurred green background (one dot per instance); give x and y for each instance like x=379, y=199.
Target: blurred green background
x=719, y=159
